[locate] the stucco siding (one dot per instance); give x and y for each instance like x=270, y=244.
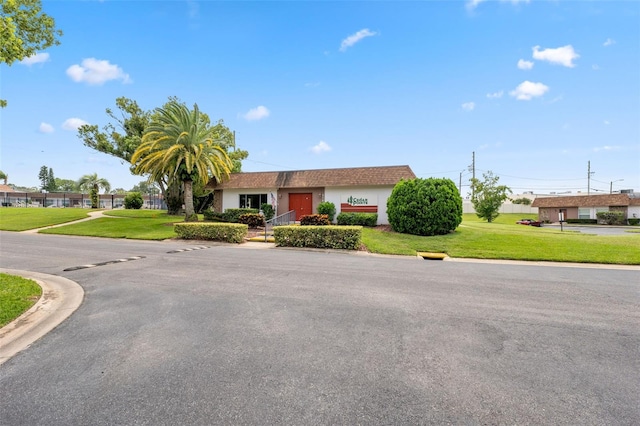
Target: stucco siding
x=365, y=195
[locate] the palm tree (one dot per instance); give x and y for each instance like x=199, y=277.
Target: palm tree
x=4, y=176
x=93, y=183
x=180, y=144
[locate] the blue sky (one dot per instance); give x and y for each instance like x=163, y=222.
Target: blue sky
x=537, y=89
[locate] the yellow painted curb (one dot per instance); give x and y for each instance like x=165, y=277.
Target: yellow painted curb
x=435, y=256
x=262, y=240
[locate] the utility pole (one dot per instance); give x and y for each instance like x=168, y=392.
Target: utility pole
x=473, y=173
x=589, y=173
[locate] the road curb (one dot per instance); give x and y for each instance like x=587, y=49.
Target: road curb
x=60, y=298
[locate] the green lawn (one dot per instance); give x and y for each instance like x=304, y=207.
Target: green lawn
x=504, y=239
x=21, y=218
x=134, y=224
x=17, y=295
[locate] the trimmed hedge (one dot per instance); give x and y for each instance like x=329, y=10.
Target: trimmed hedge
x=210, y=215
x=358, y=219
x=314, y=220
x=610, y=218
x=228, y=232
x=229, y=215
x=634, y=221
x=252, y=220
x=425, y=207
x=583, y=221
x=330, y=237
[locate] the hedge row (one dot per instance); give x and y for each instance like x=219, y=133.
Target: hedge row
x=582, y=221
x=331, y=237
x=229, y=215
x=227, y=232
x=358, y=219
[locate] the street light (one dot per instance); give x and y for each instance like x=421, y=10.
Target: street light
x=611, y=185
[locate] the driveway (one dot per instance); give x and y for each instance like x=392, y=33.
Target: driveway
x=224, y=334
x=597, y=229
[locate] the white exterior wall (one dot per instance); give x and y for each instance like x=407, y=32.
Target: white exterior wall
x=467, y=207
x=375, y=195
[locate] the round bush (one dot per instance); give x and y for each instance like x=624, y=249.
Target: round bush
x=425, y=207
x=327, y=208
x=133, y=200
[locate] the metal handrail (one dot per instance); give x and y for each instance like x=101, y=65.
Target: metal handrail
x=283, y=219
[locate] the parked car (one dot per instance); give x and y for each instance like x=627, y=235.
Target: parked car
x=530, y=222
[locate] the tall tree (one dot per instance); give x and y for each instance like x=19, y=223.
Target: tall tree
x=488, y=196
x=66, y=185
x=4, y=176
x=24, y=30
x=93, y=183
x=181, y=145
x=43, y=176
x=123, y=136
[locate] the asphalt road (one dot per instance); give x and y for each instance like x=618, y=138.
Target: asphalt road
x=234, y=335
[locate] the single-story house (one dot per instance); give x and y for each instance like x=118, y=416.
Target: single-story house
x=358, y=189
x=586, y=206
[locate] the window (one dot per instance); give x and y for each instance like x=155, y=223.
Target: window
x=252, y=201
x=584, y=213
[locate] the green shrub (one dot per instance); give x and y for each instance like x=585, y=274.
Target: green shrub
x=425, y=207
x=330, y=237
x=267, y=210
x=213, y=216
x=133, y=200
x=314, y=220
x=228, y=232
x=360, y=219
x=327, y=208
x=634, y=221
x=252, y=220
x=610, y=218
x=582, y=221
x=524, y=200
x=233, y=215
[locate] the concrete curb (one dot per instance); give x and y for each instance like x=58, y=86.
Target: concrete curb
x=60, y=298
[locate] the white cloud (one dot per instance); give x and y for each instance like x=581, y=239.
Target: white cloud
x=96, y=72
x=609, y=42
x=73, y=123
x=527, y=90
x=495, y=95
x=606, y=148
x=321, y=147
x=525, y=65
x=46, y=128
x=564, y=55
x=257, y=113
x=38, y=58
x=472, y=4
x=595, y=67
x=468, y=106
x=354, y=38
x=607, y=122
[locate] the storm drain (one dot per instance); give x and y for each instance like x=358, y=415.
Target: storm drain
x=93, y=265
x=432, y=256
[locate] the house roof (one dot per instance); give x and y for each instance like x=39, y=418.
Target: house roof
x=585, y=201
x=356, y=176
x=6, y=188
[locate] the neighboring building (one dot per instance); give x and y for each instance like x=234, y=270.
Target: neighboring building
x=586, y=206
x=359, y=189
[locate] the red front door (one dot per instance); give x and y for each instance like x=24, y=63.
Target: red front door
x=301, y=203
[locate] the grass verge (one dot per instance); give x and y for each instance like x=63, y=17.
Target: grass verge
x=17, y=295
x=504, y=239
x=22, y=219
x=133, y=224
